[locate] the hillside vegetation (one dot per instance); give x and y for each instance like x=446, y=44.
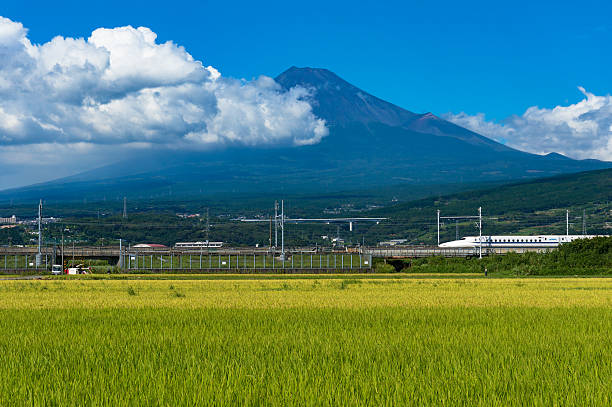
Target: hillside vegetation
x=533, y=207
x=580, y=257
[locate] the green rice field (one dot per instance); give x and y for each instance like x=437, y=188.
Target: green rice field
x=333, y=340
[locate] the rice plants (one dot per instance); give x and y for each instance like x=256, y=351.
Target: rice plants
x=257, y=342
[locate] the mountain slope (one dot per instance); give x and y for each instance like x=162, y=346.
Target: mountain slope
x=371, y=143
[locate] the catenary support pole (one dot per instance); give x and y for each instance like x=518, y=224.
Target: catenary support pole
x=39, y=254
x=283, y=232
x=275, y=224
x=438, y=223
x=480, y=231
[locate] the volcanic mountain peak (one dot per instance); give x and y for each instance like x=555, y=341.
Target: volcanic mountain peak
x=341, y=104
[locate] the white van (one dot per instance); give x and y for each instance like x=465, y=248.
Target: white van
x=56, y=269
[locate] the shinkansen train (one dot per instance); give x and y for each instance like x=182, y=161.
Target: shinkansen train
x=541, y=241
x=198, y=245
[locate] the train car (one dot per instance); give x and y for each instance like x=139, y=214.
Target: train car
x=541, y=241
x=198, y=245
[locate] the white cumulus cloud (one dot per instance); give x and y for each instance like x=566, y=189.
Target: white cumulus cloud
x=581, y=130
x=120, y=87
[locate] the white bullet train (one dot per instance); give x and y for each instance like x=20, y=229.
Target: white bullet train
x=541, y=241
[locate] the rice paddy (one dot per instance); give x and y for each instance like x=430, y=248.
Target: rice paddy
x=337, y=340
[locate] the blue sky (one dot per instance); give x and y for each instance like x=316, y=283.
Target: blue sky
x=498, y=58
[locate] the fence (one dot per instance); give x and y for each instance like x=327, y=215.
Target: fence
x=247, y=261
x=20, y=262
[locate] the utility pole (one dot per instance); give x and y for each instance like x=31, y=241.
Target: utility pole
x=567, y=222
x=63, y=264
x=282, y=230
x=480, y=230
x=120, y=255
x=584, y=222
x=124, y=207
x=39, y=254
x=275, y=224
x=438, y=227
x=270, y=238
x=456, y=229
x=207, y=225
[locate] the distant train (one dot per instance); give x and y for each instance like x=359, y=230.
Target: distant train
x=541, y=241
x=198, y=245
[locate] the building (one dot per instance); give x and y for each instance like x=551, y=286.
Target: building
x=393, y=242
x=188, y=215
x=8, y=221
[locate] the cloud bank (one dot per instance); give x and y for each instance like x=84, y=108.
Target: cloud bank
x=582, y=130
x=121, y=87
